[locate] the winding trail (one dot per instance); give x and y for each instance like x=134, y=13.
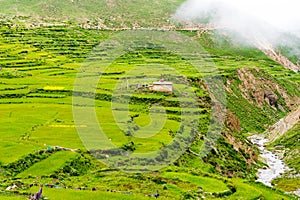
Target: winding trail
x=283, y=125
x=268, y=49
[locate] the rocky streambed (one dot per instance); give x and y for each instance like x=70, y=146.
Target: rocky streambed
x=275, y=167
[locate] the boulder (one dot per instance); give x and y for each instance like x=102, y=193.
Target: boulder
x=271, y=97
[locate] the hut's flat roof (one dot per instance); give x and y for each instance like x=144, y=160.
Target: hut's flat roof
x=162, y=83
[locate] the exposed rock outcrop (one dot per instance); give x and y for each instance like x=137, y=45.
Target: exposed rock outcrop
x=271, y=98
x=258, y=90
x=233, y=124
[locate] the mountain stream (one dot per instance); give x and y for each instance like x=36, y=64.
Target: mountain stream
x=275, y=167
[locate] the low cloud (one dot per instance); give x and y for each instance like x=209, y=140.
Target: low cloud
x=263, y=20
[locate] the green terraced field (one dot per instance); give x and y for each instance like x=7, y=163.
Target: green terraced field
x=206, y=183
x=48, y=166
x=39, y=67
x=61, y=194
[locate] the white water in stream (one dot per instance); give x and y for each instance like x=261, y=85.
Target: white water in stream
x=275, y=165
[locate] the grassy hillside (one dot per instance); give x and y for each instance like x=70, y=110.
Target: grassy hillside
x=103, y=13
x=288, y=45
x=39, y=66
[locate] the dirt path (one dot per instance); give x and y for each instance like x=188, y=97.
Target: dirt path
x=283, y=125
x=268, y=49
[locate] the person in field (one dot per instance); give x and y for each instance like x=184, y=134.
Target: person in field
x=37, y=195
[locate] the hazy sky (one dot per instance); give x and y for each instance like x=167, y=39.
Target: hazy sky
x=264, y=19
x=284, y=14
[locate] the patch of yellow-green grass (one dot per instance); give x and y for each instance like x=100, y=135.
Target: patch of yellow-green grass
x=49, y=87
x=287, y=184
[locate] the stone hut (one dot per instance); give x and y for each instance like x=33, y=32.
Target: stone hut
x=162, y=86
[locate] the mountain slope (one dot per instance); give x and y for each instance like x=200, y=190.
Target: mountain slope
x=103, y=13
x=39, y=66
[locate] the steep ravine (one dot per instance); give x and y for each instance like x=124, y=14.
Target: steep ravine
x=275, y=164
